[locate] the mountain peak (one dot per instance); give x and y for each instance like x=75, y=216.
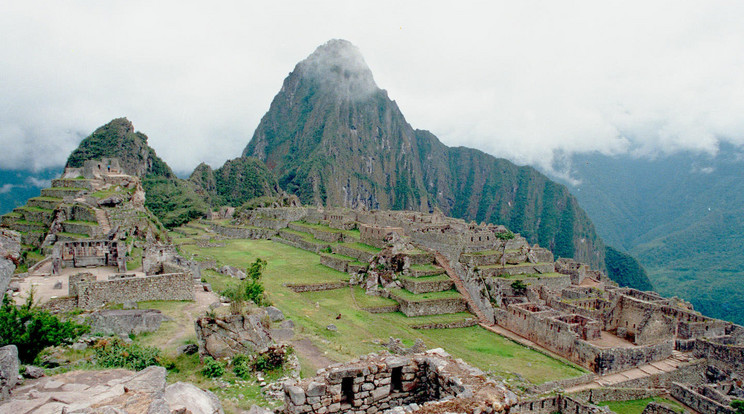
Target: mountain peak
x=338, y=66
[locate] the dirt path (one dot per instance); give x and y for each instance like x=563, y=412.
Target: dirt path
x=311, y=354
x=185, y=319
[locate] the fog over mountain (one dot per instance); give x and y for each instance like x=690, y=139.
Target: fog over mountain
x=523, y=81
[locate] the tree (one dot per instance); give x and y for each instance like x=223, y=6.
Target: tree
x=32, y=329
x=519, y=287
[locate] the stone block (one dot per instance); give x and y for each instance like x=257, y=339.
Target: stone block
x=296, y=395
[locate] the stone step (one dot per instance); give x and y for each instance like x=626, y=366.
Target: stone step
x=61, y=192
x=425, y=270
x=49, y=203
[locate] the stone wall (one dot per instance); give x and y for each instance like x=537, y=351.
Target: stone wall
x=419, y=286
x=657, y=408
x=690, y=373
x=377, y=383
x=431, y=307
x=555, y=404
x=597, y=395
x=721, y=353
x=236, y=232
x=316, y=287
x=176, y=286
x=61, y=304
x=697, y=401
x=361, y=255
x=377, y=235
x=89, y=253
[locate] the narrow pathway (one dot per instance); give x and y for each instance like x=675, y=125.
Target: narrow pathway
x=103, y=221
x=666, y=365
x=444, y=263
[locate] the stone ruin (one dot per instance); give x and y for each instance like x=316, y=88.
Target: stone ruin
x=381, y=382
x=10, y=248
x=89, y=253
x=230, y=335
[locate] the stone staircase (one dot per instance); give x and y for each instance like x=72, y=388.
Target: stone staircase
x=472, y=306
x=103, y=220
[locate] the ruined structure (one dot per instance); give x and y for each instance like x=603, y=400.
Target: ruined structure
x=10, y=249
x=89, y=253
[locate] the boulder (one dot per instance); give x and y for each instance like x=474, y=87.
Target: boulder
x=9, y=367
x=257, y=409
x=150, y=380
x=57, y=285
x=33, y=372
x=129, y=304
x=186, y=396
x=274, y=313
x=332, y=328
x=125, y=321
x=233, y=272
x=229, y=335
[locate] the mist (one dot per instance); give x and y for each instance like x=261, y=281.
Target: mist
x=531, y=81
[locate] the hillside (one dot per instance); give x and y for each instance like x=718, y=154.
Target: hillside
x=237, y=181
x=334, y=138
x=171, y=199
x=684, y=224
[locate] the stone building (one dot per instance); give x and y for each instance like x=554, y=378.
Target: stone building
x=89, y=253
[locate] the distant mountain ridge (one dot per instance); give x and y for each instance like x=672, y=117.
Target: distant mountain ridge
x=681, y=215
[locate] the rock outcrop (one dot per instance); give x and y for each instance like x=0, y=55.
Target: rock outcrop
x=9, y=366
x=125, y=321
x=10, y=249
x=110, y=391
x=230, y=335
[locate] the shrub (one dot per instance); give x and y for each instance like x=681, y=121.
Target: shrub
x=114, y=353
x=519, y=287
x=506, y=235
x=32, y=329
x=273, y=358
x=250, y=289
x=212, y=368
x=241, y=366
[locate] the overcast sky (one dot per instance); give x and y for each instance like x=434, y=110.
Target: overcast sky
x=522, y=80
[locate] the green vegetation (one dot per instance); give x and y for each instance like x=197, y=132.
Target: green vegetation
x=32, y=329
x=249, y=289
x=625, y=270
x=637, y=406
x=173, y=201
x=414, y=297
x=288, y=265
x=212, y=368
x=519, y=287
x=114, y=353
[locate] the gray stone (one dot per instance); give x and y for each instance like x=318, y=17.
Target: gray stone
x=332, y=328
x=57, y=285
x=79, y=346
x=316, y=389
x=182, y=395
x=33, y=372
x=229, y=335
x=125, y=322
x=296, y=395
x=256, y=409
x=9, y=366
x=149, y=380
x=287, y=324
x=274, y=313
x=159, y=406
x=129, y=304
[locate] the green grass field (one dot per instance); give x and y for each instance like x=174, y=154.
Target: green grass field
x=360, y=332
x=637, y=406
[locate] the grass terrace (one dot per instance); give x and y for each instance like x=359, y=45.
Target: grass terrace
x=412, y=297
x=361, y=332
x=637, y=406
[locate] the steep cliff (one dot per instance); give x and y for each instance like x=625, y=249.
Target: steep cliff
x=334, y=138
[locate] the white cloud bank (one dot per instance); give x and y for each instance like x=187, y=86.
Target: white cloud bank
x=519, y=80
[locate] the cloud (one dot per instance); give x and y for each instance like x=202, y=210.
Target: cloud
x=38, y=183
x=6, y=188
x=521, y=80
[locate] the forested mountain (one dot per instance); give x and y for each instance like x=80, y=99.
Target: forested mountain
x=171, y=199
x=681, y=215
x=334, y=138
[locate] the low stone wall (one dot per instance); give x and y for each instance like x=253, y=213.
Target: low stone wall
x=555, y=404
x=657, y=408
x=525, y=269
x=383, y=309
x=301, y=243
x=361, y=255
x=452, y=325
x=425, y=272
x=316, y=287
x=726, y=356
x=564, y=383
x=416, y=286
x=698, y=402
x=242, y=232
x=60, y=304
x=431, y=307
x=334, y=262
x=597, y=395
x=125, y=321
x=175, y=286
x=329, y=236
